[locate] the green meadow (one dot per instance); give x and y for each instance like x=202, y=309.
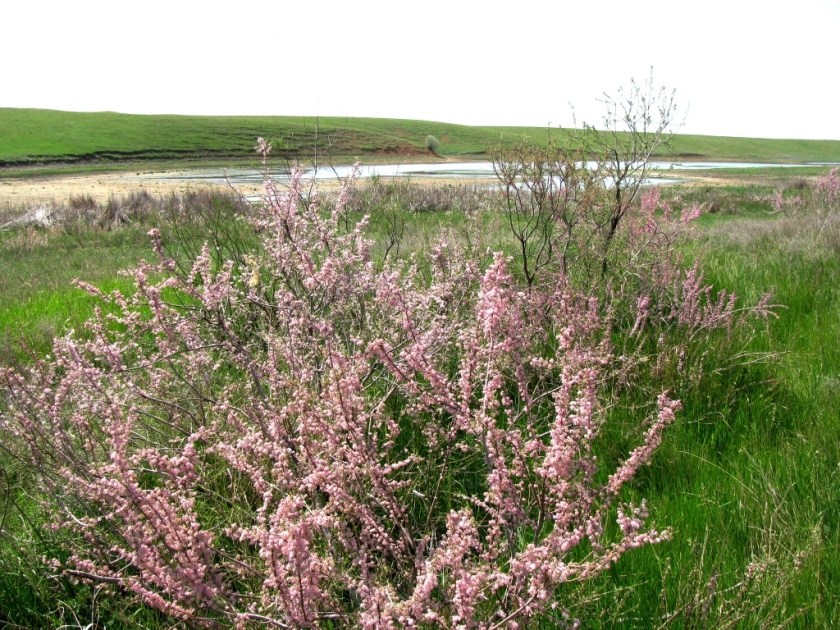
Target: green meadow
x=33, y=136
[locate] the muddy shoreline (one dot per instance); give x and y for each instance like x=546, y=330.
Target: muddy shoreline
x=55, y=188
x=58, y=190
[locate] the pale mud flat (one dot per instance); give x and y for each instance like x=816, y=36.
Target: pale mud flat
x=58, y=190
x=100, y=186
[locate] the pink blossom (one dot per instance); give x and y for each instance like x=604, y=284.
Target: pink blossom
x=388, y=445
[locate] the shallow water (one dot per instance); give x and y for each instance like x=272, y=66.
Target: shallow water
x=711, y=166
x=447, y=170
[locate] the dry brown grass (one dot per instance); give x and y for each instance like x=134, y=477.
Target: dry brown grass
x=138, y=207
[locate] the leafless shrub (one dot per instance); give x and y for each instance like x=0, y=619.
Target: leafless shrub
x=28, y=215
x=567, y=201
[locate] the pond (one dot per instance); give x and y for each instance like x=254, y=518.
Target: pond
x=441, y=170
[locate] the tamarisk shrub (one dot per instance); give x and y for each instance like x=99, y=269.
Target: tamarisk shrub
x=578, y=208
x=811, y=214
x=827, y=189
x=609, y=236
x=307, y=439
x=661, y=299
x=820, y=196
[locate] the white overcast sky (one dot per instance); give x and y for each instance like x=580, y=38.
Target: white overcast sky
x=739, y=67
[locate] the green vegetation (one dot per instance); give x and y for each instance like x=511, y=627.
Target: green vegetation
x=750, y=473
x=32, y=136
x=39, y=301
x=748, y=478
x=432, y=144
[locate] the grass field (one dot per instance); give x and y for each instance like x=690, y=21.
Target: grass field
x=31, y=136
x=749, y=476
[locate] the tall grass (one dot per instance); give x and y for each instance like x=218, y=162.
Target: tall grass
x=749, y=478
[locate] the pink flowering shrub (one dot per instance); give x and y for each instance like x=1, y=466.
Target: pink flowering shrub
x=787, y=205
x=812, y=215
x=821, y=196
x=671, y=303
x=827, y=189
x=307, y=438
x=614, y=238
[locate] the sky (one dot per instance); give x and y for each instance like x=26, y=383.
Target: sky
x=738, y=67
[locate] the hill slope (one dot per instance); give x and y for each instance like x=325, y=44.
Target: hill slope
x=33, y=136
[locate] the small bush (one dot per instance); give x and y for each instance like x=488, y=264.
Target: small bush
x=432, y=144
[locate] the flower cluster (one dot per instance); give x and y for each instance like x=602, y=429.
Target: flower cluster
x=310, y=437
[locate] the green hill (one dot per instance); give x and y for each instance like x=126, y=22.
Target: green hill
x=37, y=136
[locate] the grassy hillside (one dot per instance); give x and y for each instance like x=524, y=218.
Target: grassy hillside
x=33, y=136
